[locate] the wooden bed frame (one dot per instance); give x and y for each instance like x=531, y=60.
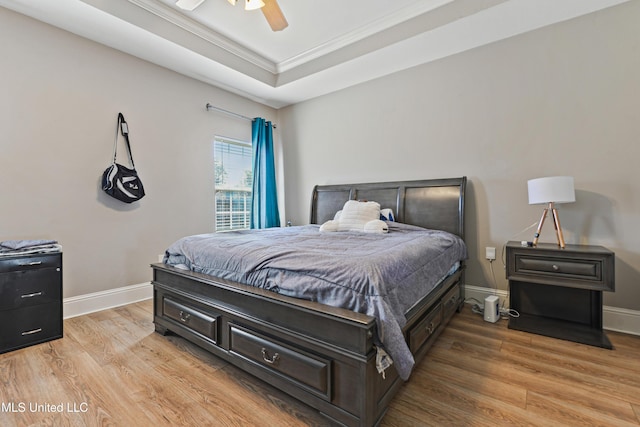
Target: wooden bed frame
x=323, y=356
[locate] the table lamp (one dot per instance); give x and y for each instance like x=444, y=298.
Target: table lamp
x=548, y=191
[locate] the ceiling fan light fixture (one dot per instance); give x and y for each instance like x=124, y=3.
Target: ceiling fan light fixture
x=233, y=2
x=188, y=4
x=253, y=4
x=274, y=15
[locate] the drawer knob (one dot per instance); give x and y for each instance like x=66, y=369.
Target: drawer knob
x=269, y=360
x=184, y=317
x=555, y=267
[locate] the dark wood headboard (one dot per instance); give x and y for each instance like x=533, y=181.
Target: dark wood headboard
x=432, y=203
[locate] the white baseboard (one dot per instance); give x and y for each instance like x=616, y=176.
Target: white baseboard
x=621, y=320
x=97, y=301
x=479, y=293
x=613, y=318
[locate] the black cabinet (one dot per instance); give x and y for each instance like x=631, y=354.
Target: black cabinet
x=558, y=292
x=30, y=299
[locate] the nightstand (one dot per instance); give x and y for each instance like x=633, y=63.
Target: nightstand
x=30, y=299
x=558, y=292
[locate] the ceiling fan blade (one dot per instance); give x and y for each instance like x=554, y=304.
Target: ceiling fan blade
x=274, y=15
x=188, y=4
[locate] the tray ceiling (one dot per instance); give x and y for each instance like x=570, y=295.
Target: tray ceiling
x=329, y=44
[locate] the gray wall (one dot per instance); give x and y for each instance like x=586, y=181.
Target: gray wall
x=59, y=98
x=561, y=100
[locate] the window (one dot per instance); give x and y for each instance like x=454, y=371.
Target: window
x=233, y=180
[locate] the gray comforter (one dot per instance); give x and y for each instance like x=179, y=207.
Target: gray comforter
x=381, y=275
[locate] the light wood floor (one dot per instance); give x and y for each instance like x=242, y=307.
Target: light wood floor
x=111, y=369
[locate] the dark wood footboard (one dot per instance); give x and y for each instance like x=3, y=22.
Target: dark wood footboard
x=321, y=355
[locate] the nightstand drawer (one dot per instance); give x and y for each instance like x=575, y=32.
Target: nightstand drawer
x=576, y=269
x=26, y=288
x=31, y=325
x=585, y=267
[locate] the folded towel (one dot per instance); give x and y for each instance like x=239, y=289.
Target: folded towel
x=23, y=244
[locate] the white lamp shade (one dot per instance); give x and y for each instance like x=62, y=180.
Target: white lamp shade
x=556, y=189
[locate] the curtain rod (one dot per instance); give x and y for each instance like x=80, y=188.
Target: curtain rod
x=231, y=113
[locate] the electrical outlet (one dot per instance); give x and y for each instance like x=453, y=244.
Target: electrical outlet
x=490, y=253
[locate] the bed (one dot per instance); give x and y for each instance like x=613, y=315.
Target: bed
x=326, y=356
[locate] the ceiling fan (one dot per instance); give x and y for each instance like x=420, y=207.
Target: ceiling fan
x=270, y=10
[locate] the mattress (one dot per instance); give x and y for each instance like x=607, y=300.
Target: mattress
x=381, y=275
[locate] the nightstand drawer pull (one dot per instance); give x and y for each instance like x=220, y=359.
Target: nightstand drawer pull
x=555, y=267
x=33, y=331
x=266, y=357
x=35, y=294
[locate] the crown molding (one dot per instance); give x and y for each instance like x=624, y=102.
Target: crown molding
x=176, y=18
x=361, y=33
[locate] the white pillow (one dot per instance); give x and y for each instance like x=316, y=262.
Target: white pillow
x=331, y=225
x=387, y=215
x=376, y=226
x=356, y=214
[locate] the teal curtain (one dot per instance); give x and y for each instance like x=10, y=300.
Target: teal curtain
x=264, y=197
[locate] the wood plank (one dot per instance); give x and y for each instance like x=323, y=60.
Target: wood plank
x=538, y=378
x=85, y=385
x=583, y=374
x=561, y=413
x=517, y=371
x=601, y=356
x=476, y=374
x=636, y=409
x=412, y=407
x=489, y=386
x=476, y=403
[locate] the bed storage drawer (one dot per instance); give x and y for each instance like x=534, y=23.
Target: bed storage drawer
x=193, y=319
x=306, y=370
x=420, y=333
x=451, y=302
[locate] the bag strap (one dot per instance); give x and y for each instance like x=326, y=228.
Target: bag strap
x=124, y=129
